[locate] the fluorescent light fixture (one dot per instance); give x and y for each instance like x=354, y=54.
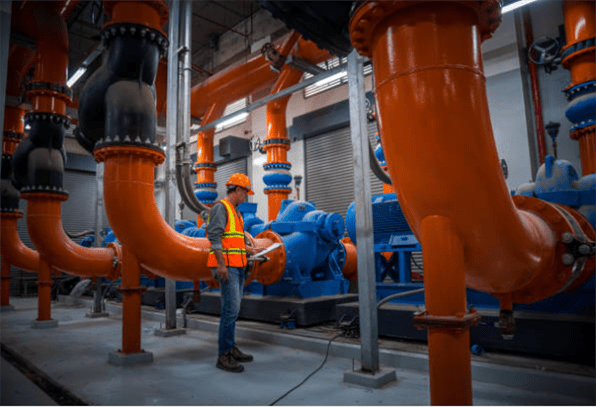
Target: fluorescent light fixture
x=233, y=120
x=331, y=78
x=515, y=5
x=77, y=75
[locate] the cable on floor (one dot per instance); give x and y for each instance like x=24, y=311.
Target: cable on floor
x=312, y=374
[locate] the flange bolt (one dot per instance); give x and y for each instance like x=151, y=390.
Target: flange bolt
x=567, y=238
x=568, y=259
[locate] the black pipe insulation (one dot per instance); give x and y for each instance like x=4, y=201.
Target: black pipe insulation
x=117, y=103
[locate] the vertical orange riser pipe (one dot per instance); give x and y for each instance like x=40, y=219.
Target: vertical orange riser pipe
x=580, y=27
x=277, y=169
x=448, y=347
x=5, y=284
x=205, y=165
x=131, y=302
x=44, y=291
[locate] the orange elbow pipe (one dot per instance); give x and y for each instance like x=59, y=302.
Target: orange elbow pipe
x=507, y=250
x=277, y=144
x=134, y=216
x=242, y=80
x=44, y=222
x=13, y=249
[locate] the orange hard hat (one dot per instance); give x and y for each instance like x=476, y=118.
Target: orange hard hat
x=240, y=180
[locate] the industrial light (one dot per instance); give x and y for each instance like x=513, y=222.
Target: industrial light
x=77, y=75
x=515, y=5
x=331, y=78
x=236, y=119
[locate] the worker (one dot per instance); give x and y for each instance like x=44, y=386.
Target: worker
x=228, y=261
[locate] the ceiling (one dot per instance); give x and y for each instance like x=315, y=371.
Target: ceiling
x=211, y=19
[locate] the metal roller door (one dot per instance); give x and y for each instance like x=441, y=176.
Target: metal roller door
x=223, y=174
x=78, y=215
x=330, y=170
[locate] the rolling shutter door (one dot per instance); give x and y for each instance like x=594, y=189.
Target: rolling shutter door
x=223, y=174
x=330, y=170
x=78, y=213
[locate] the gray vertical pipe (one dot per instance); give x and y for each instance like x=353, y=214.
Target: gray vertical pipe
x=364, y=226
x=185, y=43
x=171, y=128
x=97, y=296
x=526, y=90
x=5, y=11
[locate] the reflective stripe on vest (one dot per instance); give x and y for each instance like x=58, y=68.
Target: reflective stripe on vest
x=232, y=240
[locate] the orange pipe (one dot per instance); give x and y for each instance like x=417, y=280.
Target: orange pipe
x=152, y=13
x=13, y=249
x=350, y=270
x=446, y=297
x=240, y=81
x=276, y=129
x=131, y=302
x=134, y=216
x=44, y=291
x=276, y=122
x=521, y=243
x=580, y=26
x=4, y=283
x=43, y=22
x=205, y=164
x=44, y=222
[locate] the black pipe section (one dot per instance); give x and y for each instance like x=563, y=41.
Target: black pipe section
x=38, y=161
x=117, y=103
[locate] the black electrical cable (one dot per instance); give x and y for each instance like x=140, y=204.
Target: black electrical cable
x=310, y=375
x=416, y=264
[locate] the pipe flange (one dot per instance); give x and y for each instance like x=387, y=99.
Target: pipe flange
x=277, y=166
x=47, y=116
x=364, y=20
x=549, y=283
x=11, y=134
x=43, y=194
x=282, y=189
x=590, y=123
x=157, y=155
x=11, y=211
x=127, y=141
x=582, y=131
x=573, y=92
x=159, y=5
x=458, y=322
x=271, y=271
x=199, y=185
x=211, y=166
x=55, y=89
x=44, y=189
x=276, y=142
x=132, y=290
x=577, y=48
x=117, y=264
x=138, y=31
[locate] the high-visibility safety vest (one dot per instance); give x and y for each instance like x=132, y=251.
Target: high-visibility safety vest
x=232, y=240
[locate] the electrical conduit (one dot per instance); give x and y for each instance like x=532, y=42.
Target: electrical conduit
x=429, y=55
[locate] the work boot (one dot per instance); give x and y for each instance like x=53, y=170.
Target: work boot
x=227, y=362
x=239, y=356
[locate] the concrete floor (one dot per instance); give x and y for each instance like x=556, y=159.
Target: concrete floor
x=75, y=356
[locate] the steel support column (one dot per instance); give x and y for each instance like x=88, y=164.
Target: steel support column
x=5, y=10
x=364, y=225
x=172, y=127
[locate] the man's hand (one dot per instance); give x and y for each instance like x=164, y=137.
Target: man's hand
x=250, y=244
x=222, y=270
